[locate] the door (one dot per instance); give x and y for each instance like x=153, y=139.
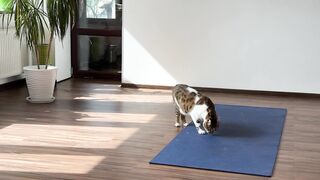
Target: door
x=96, y=39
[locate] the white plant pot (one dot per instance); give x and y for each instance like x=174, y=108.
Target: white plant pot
x=40, y=83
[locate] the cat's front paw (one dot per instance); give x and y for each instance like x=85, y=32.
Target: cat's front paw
x=177, y=125
x=200, y=131
x=185, y=124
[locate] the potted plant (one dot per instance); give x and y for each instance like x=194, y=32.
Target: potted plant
x=32, y=23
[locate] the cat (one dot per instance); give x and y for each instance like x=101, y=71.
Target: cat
x=201, y=109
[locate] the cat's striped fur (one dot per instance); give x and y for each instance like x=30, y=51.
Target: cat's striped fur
x=201, y=109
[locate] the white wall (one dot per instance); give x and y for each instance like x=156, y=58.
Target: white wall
x=271, y=45
x=63, y=56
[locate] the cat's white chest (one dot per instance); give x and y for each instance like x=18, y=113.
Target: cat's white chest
x=199, y=112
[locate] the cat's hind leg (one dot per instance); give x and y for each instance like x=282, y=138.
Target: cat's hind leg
x=178, y=117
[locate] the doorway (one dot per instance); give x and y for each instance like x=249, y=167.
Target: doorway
x=96, y=40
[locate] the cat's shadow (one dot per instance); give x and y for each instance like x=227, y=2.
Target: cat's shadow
x=240, y=130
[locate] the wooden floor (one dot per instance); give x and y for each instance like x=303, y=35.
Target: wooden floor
x=98, y=131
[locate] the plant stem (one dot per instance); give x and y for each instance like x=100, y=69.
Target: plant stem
x=49, y=49
x=37, y=55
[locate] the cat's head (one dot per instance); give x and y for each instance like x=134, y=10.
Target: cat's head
x=211, y=123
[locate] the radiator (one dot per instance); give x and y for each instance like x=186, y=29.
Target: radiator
x=10, y=54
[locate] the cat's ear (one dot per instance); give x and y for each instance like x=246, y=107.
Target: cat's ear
x=201, y=100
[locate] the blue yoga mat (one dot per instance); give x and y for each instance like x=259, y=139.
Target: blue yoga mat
x=247, y=142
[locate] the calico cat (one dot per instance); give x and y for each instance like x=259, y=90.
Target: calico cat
x=200, y=108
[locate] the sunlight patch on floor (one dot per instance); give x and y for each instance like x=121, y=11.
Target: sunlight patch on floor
x=48, y=163
x=115, y=117
x=151, y=98
x=65, y=136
